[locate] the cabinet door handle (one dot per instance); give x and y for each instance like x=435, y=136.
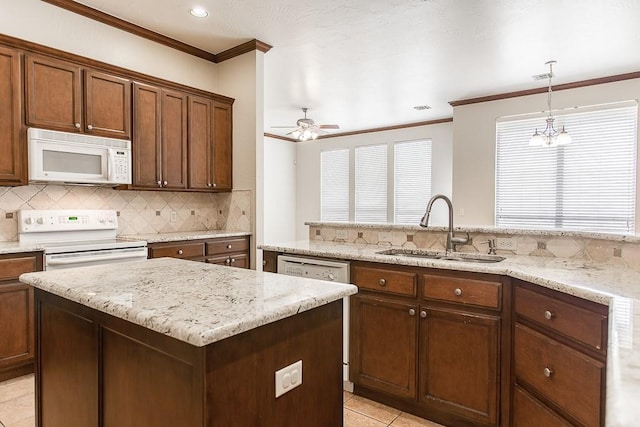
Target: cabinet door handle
x=180, y=252
x=89, y=127
x=227, y=261
x=264, y=262
x=382, y=282
x=164, y=183
x=77, y=125
x=209, y=184
x=547, y=372
x=458, y=292
x=548, y=315
x=412, y=312
x=159, y=183
x=214, y=185
x=229, y=246
x=423, y=314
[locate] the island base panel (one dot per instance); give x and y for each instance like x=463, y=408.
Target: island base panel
x=97, y=370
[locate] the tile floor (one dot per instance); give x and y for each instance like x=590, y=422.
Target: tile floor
x=17, y=409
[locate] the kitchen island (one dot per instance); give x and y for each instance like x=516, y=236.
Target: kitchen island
x=168, y=342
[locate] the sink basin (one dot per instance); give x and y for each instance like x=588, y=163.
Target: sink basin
x=455, y=256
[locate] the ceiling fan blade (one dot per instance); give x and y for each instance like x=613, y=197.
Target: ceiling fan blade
x=283, y=127
x=329, y=127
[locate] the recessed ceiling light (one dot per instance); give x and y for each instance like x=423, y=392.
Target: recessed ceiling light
x=421, y=107
x=199, y=12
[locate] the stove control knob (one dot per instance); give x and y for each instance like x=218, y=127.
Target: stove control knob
x=331, y=276
x=101, y=220
x=40, y=220
x=28, y=220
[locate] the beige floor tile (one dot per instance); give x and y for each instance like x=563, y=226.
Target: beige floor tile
x=408, y=420
x=27, y=422
x=354, y=419
x=16, y=387
x=17, y=409
x=372, y=409
x=346, y=396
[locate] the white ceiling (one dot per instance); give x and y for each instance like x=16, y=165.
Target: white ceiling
x=365, y=63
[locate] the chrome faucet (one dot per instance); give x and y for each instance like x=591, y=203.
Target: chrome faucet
x=452, y=241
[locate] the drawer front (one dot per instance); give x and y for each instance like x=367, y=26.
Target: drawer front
x=386, y=281
x=463, y=291
x=575, y=322
x=565, y=376
x=11, y=268
x=225, y=246
x=529, y=412
x=238, y=260
x=178, y=250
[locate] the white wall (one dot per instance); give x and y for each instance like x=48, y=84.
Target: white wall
x=308, y=167
x=42, y=23
x=242, y=78
x=279, y=191
x=474, y=143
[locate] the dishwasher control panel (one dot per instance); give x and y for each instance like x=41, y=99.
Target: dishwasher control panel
x=313, y=268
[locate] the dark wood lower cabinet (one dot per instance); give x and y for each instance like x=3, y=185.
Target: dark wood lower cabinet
x=97, y=370
x=459, y=363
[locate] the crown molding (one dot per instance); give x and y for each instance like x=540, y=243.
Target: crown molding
x=139, y=31
x=371, y=130
x=565, y=86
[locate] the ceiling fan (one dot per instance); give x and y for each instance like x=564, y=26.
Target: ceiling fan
x=307, y=129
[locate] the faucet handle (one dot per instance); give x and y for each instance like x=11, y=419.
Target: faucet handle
x=492, y=246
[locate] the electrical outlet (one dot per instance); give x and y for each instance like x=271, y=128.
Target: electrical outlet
x=506, y=244
x=341, y=234
x=288, y=378
x=384, y=236
x=172, y=216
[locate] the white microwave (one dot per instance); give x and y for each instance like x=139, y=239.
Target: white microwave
x=77, y=159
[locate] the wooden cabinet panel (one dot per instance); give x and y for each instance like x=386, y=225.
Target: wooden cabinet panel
x=67, y=397
x=384, y=280
x=223, y=146
x=238, y=260
x=13, y=156
x=200, y=143
x=270, y=261
x=107, y=105
x=176, y=249
x=565, y=376
x=53, y=94
x=568, y=319
x=174, y=140
x=227, y=245
x=529, y=412
x=459, y=363
x=383, y=345
x=146, y=136
x=463, y=291
x=16, y=324
x=13, y=267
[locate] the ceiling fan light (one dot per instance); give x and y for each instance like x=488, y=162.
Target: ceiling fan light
x=306, y=134
x=314, y=135
x=296, y=133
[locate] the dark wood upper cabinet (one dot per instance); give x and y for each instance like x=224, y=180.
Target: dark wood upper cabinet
x=107, y=105
x=173, y=155
x=146, y=136
x=13, y=156
x=223, y=145
x=200, y=143
x=55, y=98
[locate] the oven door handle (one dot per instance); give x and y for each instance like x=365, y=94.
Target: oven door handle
x=91, y=259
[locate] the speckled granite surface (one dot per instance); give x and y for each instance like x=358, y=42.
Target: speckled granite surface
x=16, y=247
x=614, y=285
x=183, y=235
x=194, y=302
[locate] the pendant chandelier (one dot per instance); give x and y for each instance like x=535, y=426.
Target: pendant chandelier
x=550, y=137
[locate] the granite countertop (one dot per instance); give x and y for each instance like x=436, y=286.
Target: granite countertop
x=183, y=235
x=614, y=285
x=194, y=302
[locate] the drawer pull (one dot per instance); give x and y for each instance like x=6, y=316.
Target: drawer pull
x=229, y=246
x=382, y=282
x=233, y=260
x=77, y=125
x=548, y=315
x=264, y=262
x=412, y=312
x=547, y=372
x=458, y=292
x=180, y=251
x=423, y=314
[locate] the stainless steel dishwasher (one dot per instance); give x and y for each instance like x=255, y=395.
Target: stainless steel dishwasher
x=332, y=271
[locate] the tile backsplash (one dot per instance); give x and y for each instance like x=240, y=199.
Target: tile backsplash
x=139, y=211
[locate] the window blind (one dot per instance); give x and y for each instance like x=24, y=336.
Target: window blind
x=412, y=177
x=588, y=185
x=334, y=182
x=371, y=183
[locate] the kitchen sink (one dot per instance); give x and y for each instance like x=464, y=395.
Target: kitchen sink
x=455, y=256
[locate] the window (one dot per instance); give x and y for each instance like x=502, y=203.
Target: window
x=588, y=185
x=379, y=183
x=334, y=185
